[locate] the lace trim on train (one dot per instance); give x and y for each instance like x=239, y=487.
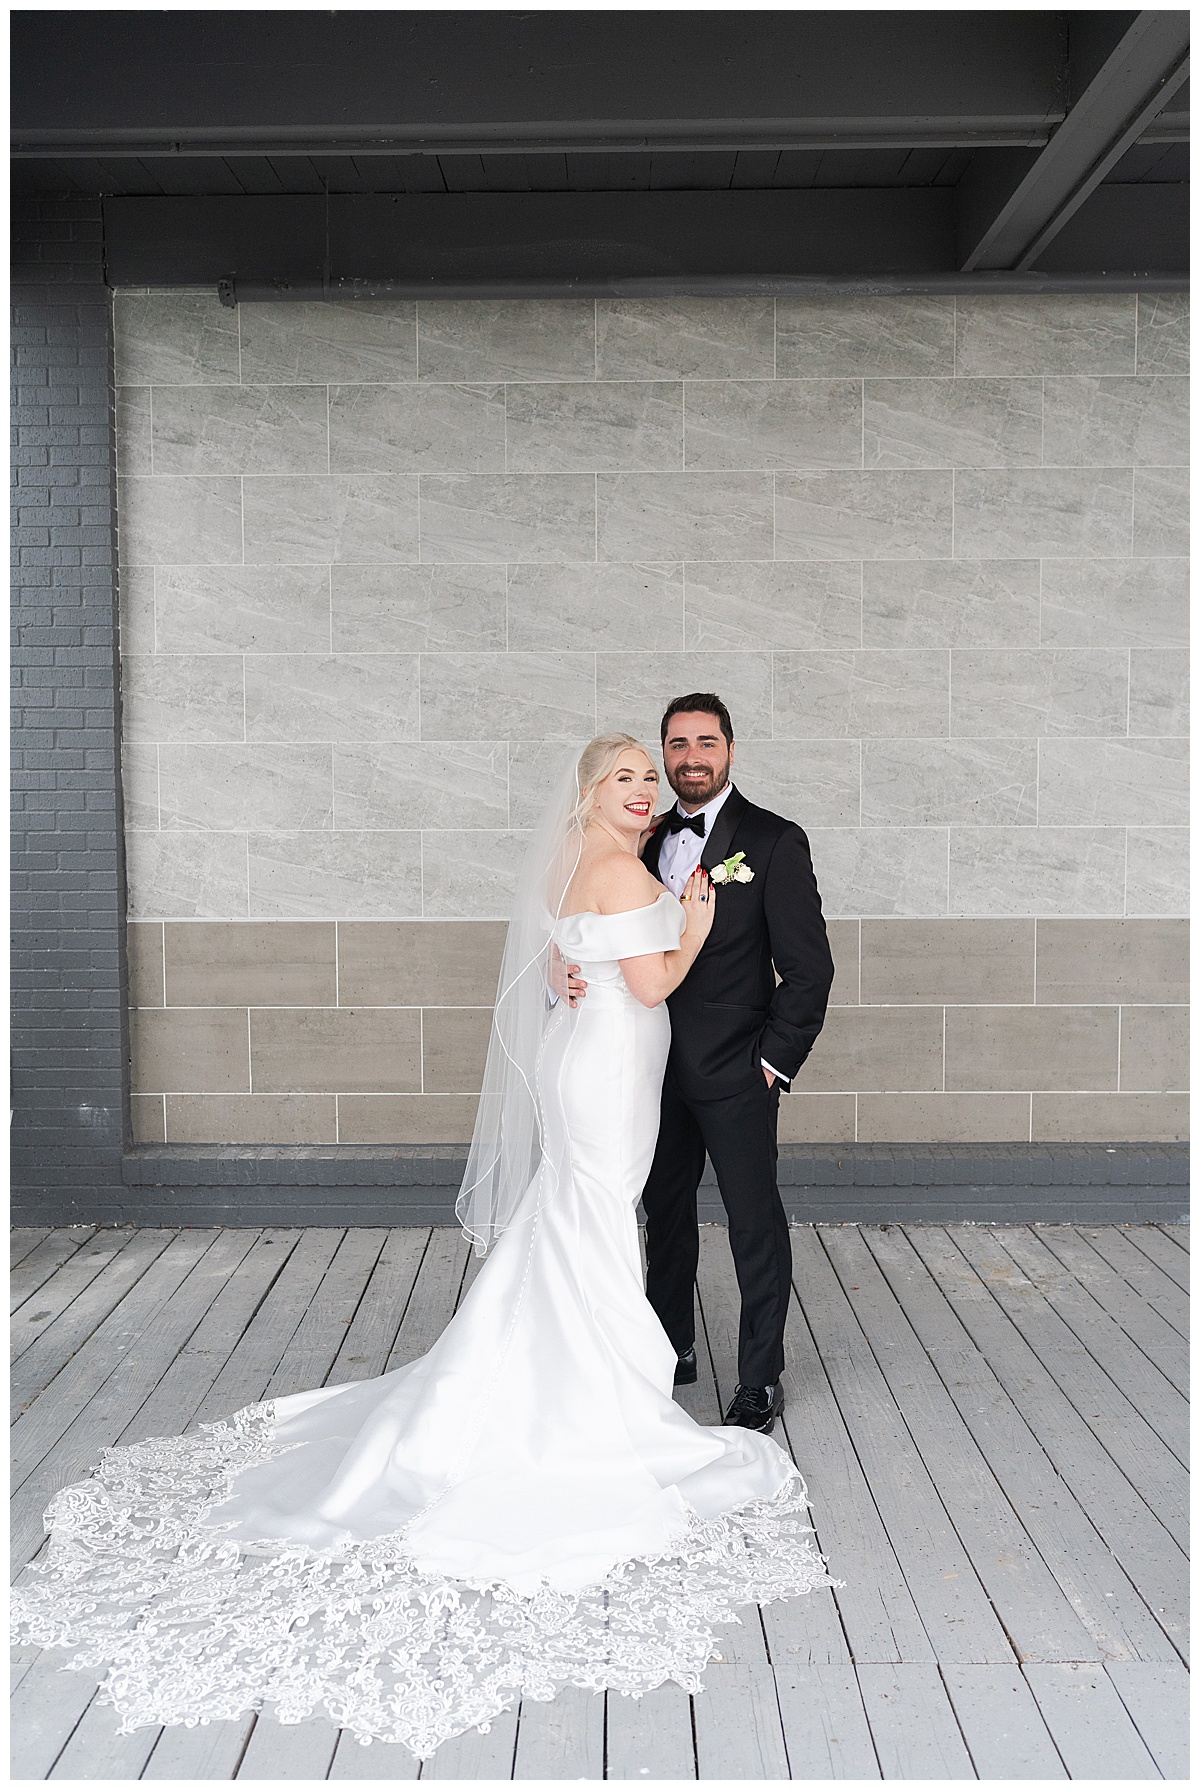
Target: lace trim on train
x=198, y=1629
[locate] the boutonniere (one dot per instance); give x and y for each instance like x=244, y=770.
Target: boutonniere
x=732, y=870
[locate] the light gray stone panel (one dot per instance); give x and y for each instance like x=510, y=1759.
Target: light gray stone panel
x=1158, y=691
x=321, y=344
x=242, y=609
x=182, y=696
x=240, y=428
x=135, y=454
x=633, y=689
x=184, y=521
x=362, y=876
x=137, y=609
x=950, y=602
x=1157, y=879
x=1037, y=870
x=416, y=428
x=1052, y=514
x=863, y=694
x=459, y=784
x=1162, y=332
x=1043, y=692
x=506, y=338
x=1040, y=1047
x=174, y=338
x=471, y=875
x=860, y=337
x=1036, y=333
x=797, y=604
x=183, y=876
x=610, y=606
x=950, y=783
x=863, y=515
x=685, y=338
x=815, y=783
x=417, y=608
x=880, y=871
x=229, y=788
x=784, y=423
x=1116, y=422
x=1099, y=1118
x=952, y=422
x=611, y=426
x=1115, y=602
x=684, y=515
x=515, y=696
x=139, y=786
x=1114, y=783
x=364, y=517
x=1161, y=499
x=540, y=516
x=534, y=769
x=342, y=697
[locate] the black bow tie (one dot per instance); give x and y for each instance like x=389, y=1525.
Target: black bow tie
x=678, y=823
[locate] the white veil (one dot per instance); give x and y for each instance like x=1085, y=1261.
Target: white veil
x=510, y=1148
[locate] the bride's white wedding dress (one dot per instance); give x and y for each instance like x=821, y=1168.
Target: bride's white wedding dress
x=523, y=1507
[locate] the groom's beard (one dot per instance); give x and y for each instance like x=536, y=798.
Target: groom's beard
x=696, y=791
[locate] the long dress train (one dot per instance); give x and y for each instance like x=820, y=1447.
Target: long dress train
x=522, y=1508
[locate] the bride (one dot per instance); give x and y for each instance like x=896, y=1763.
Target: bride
x=525, y=1506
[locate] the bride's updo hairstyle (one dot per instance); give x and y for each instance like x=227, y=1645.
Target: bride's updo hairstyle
x=596, y=762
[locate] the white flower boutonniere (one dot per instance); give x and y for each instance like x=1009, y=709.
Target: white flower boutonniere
x=733, y=870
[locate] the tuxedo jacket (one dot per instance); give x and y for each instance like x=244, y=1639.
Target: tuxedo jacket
x=730, y=1011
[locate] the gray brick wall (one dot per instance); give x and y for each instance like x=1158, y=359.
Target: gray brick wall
x=69, y=1031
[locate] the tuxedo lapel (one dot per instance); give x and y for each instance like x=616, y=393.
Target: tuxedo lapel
x=716, y=846
x=652, y=850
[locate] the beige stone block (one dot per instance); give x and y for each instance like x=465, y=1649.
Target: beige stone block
x=148, y=1119
x=270, y=963
x=1063, y=1048
x=943, y=1118
x=406, y=1118
x=144, y=950
x=843, y=944
x=1110, y=1118
x=1112, y=960
x=930, y=962
x=454, y=1042
x=189, y=1050
x=419, y=963
x=1154, y=1048
x=816, y=1119
x=251, y=1119
x=346, y=1050
x=875, y=1047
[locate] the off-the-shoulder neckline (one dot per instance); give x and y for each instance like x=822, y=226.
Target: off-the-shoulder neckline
x=590, y=913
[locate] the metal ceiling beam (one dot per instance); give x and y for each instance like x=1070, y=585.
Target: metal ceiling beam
x=1013, y=203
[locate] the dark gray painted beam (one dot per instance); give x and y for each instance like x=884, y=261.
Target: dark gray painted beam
x=1012, y=202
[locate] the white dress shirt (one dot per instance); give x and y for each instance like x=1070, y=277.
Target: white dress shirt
x=679, y=855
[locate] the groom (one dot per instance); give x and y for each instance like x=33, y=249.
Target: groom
x=736, y=1034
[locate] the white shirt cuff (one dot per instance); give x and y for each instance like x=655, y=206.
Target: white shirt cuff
x=786, y=1079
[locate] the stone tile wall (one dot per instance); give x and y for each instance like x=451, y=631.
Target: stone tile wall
x=381, y=563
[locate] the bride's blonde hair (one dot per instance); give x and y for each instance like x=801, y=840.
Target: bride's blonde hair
x=596, y=762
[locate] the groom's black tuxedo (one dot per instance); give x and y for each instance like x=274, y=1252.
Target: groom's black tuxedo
x=728, y=1014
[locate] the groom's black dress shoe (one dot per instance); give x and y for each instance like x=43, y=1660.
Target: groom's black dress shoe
x=685, y=1368
x=755, y=1408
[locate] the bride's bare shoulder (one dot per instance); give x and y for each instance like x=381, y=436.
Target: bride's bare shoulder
x=622, y=883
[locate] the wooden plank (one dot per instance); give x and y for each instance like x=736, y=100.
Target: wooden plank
x=913, y=1725
x=1165, y=1250
x=1178, y=1233
x=97, y=1750
x=739, y=1732
x=288, y=1750
x=433, y=1297
x=35, y=1269
x=372, y=1332
x=650, y=1736
x=563, y=1738
x=52, y=1299
x=22, y=1238
x=1152, y=1285
x=474, y=1755
x=1157, y=1699
x=210, y=1750
x=382, y=1759
x=46, y=1709
x=322, y=1329
x=1104, y=1612
x=1001, y=1723
x=1145, y=1460
x=824, y=1722
x=78, y=1324
x=1036, y=1612
x=939, y=1572
x=1158, y=1340
x=1090, y=1725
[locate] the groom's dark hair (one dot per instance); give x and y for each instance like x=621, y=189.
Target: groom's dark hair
x=700, y=702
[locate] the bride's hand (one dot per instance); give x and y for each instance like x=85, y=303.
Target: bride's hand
x=699, y=905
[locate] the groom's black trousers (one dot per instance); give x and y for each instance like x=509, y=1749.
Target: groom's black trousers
x=739, y=1135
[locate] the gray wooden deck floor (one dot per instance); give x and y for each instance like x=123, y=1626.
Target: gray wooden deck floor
x=992, y=1424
